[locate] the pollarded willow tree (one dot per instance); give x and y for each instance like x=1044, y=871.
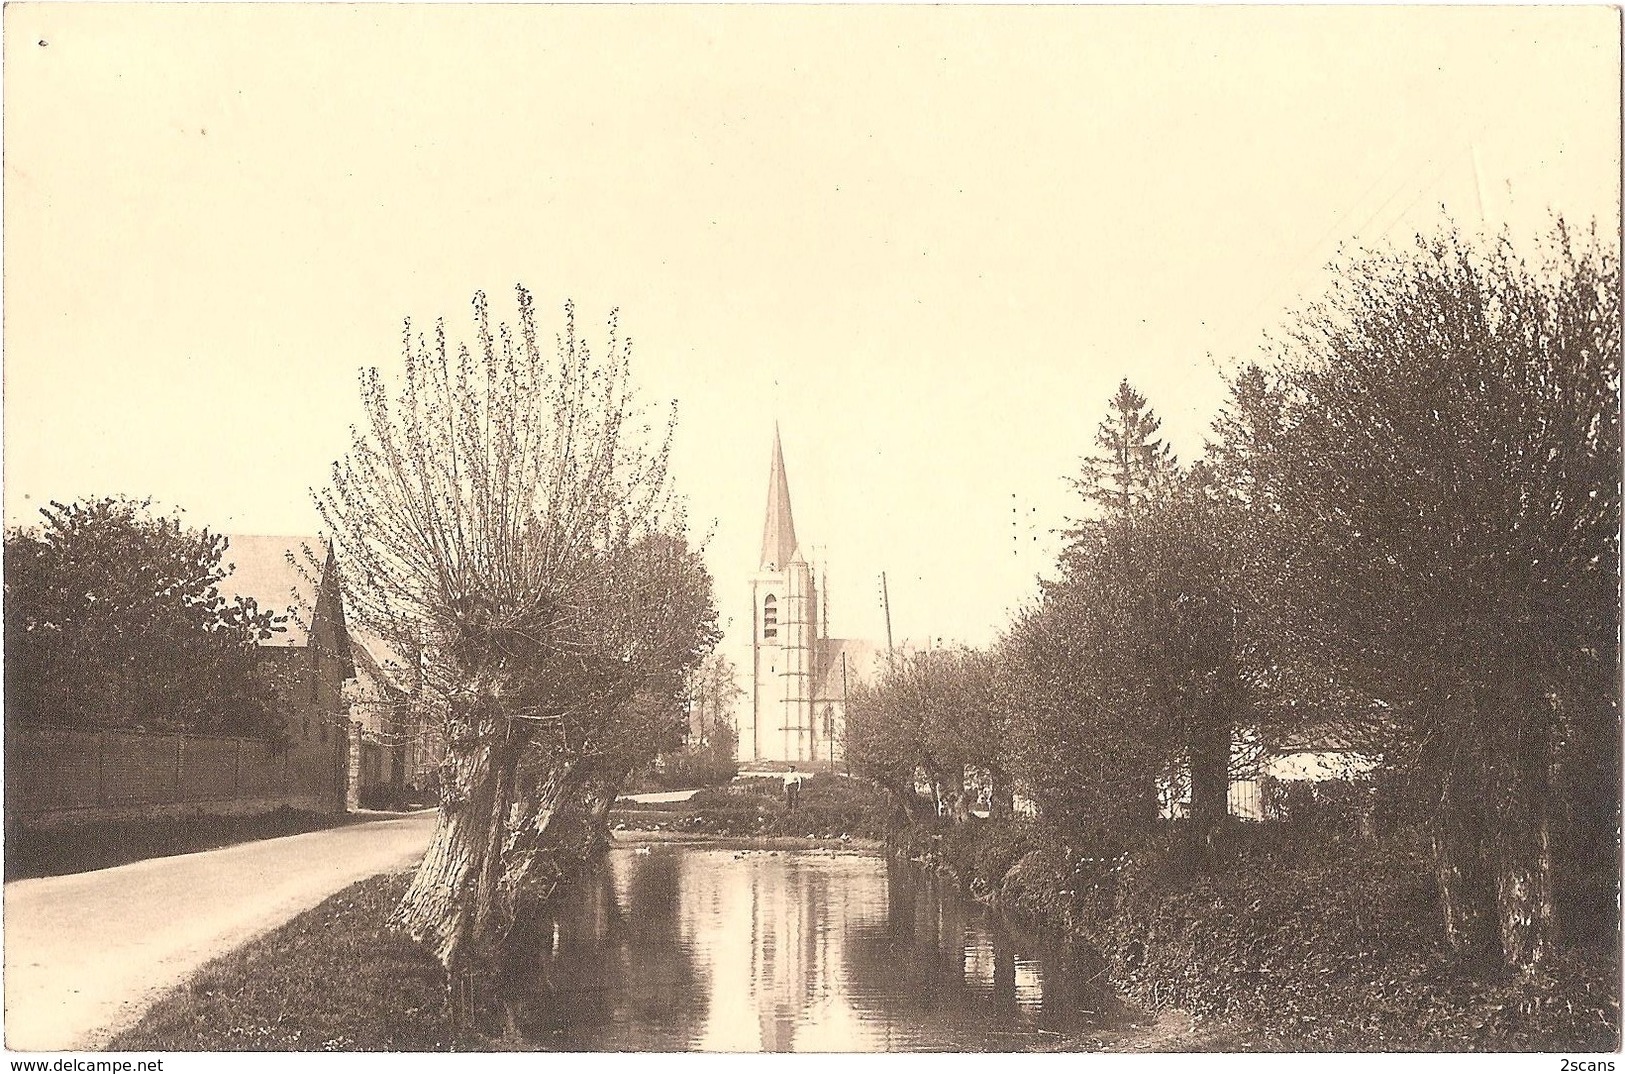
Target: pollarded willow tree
x=1439, y=461
x=505, y=514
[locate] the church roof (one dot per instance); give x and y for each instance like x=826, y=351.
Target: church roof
x=779, y=547
x=863, y=659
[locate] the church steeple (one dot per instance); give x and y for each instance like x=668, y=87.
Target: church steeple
x=779, y=547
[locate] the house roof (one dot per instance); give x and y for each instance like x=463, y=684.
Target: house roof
x=779, y=547
x=862, y=658
x=1341, y=734
x=377, y=664
x=278, y=574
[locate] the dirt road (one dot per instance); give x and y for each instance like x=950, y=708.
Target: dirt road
x=87, y=954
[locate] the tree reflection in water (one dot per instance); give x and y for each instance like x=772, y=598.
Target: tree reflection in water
x=608, y=969
x=959, y=976
x=697, y=948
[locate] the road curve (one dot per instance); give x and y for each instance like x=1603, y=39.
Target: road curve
x=87, y=954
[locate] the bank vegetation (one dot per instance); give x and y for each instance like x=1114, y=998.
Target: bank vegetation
x=1403, y=531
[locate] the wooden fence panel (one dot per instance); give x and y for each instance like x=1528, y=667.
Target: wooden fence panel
x=57, y=774
x=261, y=772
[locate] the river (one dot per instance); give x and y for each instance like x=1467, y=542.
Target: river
x=695, y=947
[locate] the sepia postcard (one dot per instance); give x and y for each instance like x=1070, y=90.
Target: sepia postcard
x=837, y=528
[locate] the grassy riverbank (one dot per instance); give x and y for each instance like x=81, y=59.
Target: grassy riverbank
x=33, y=852
x=332, y=979
x=831, y=807
x=1280, y=940
x=1283, y=943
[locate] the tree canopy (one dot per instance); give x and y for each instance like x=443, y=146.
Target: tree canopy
x=114, y=618
x=1436, y=457
x=505, y=512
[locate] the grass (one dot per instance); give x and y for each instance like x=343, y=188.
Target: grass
x=33, y=852
x=831, y=807
x=332, y=979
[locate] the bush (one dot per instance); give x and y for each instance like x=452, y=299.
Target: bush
x=830, y=807
x=1312, y=940
x=1334, y=949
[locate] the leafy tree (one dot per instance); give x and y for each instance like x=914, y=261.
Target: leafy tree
x=1439, y=461
x=507, y=514
x=1150, y=657
x=114, y=618
x=936, y=712
x=885, y=737
x=709, y=751
x=1079, y=749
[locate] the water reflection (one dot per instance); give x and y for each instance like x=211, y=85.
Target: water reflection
x=699, y=948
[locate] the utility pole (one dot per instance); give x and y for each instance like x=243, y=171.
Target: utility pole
x=885, y=604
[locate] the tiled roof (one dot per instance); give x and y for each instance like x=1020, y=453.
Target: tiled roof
x=261, y=568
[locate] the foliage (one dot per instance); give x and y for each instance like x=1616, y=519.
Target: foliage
x=1327, y=946
x=1437, y=451
x=709, y=751
x=1405, y=530
x=932, y=713
x=1131, y=668
x=506, y=514
x=714, y=694
x=830, y=807
x=1311, y=943
x=114, y=618
x=1131, y=466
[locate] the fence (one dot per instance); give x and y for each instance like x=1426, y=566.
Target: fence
x=59, y=776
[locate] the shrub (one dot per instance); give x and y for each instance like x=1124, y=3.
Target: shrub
x=1311, y=938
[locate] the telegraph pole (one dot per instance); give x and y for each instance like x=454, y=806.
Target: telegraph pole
x=885, y=604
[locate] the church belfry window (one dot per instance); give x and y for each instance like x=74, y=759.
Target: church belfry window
x=770, y=617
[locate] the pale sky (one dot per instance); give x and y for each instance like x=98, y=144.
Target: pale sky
x=928, y=241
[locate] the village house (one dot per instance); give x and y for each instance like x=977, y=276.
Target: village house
x=346, y=689
x=309, y=660
x=65, y=777
x=399, y=748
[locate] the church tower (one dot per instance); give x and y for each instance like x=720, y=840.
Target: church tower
x=784, y=621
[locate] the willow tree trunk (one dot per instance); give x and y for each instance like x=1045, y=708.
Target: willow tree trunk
x=958, y=799
x=454, y=906
x=1460, y=858
x=597, y=800
x=905, y=801
x=1001, y=797
x=535, y=858
x=1521, y=793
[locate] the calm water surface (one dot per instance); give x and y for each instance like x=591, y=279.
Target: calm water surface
x=698, y=948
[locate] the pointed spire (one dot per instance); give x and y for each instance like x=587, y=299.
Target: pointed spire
x=779, y=547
